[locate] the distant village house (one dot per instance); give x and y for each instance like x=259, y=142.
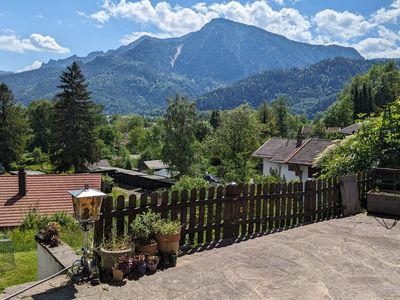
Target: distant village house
x=291, y=158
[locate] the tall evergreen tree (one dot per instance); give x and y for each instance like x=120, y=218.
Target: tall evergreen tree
x=14, y=129
x=267, y=119
x=215, y=119
x=39, y=115
x=73, y=125
x=281, y=113
x=179, y=137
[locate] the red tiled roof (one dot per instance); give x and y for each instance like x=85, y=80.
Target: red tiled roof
x=47, y=193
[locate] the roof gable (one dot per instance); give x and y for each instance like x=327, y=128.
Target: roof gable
x=308, y=152
x=277, y=149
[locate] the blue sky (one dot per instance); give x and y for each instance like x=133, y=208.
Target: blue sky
x=32, y=32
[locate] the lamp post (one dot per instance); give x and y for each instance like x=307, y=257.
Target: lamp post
x=87, y=205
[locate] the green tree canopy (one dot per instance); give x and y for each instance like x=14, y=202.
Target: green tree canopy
x=14, y=129
x=74, y=123
x=179, y=137
x=39, y=114
x=235, y=140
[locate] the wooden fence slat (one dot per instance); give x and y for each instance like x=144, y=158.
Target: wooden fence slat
x=143, y=200
x=108, y=207
x=295, y=199
x=210, y=215
x=289, y=204
x=300, y=202
x=174, y=201
x=131, y=216
x=277, y=201
x=264, y=213
x=283, y=204
x=202, y=197
x=163, y=205
x=271, y=206
x=192, y=213
x=324, y=198
x=245, y=208
x=120, y=218
x=258, y=207
x=184, y=222
x=251, y=209
x=218, y=213
x=99, y=227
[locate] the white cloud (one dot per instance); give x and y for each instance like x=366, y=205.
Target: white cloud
x=388, y=15
x=35, y=65
x=180, y=20
x=280, y=2
x=331, y=25
x=100, y=16
x=39, y=16
x=36, y=42
x=129, y=38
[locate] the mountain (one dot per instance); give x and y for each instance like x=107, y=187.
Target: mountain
x=308, y=90
x=139, y=76
x=5, y=72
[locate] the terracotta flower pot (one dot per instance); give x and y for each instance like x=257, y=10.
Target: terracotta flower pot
x=118, y=275
x=168, y=243
x=150, y=249
x=108, y=257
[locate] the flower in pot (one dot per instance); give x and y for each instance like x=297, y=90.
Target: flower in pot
x=125, y=263
x=117, y=273
x=112, y=249
x=168, y=234
x=152, y=262
x=139, y=264
x=143, y=231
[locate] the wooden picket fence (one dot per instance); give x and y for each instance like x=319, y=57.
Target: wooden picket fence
x=230, y=212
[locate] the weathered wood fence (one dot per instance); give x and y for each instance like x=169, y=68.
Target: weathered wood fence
x=234, y=211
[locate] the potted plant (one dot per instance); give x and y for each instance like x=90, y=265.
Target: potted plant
x=139, y=264
x=143, y=231
x=152, y=262
x=125, y=263
x=117, y=272
x=168, y=235
x=112, y=249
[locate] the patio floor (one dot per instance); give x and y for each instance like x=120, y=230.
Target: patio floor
x=349, y=258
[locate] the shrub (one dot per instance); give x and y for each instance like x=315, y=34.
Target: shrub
x=117, y=243
x=33, y=220
x=164, y=226
x=188, y=183
x=108, y=183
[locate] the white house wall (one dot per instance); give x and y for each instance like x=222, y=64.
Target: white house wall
x=283, y=170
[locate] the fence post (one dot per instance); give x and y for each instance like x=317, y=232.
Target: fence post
x=231, y=194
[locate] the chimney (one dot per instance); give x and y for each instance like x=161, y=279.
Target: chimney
x=299, y=140
x=21, y=182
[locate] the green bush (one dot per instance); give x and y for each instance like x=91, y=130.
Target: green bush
x=144, y=226
x=189, y=183
x=33, y=220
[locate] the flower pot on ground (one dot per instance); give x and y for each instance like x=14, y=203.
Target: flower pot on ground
x=173, y=259
x=168, y=235
x=112, y=250
x=143, y=231
x=118, y=274
x=125, y=263
x=152, y=263
x=139, y=264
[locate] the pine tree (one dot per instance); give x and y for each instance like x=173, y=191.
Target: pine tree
x=215, y=119
x=73, y=125
x=281, y=113
x=14, y=129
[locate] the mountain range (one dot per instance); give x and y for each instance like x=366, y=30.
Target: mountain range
x=138, y=77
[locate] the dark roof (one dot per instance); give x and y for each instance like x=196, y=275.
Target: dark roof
x=285, y=150
x=308, y=151
x=277, y=149
x=307, y=130
x=332, y=129
x=46, y=193
x=351, y=129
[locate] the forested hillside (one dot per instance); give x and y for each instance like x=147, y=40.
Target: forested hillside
x=308, y=90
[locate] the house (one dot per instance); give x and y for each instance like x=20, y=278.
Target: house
x=291, y=158
x=351, y=129
x=46, y=193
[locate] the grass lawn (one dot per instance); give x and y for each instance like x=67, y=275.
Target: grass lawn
x=25, y=270
x=26, y=258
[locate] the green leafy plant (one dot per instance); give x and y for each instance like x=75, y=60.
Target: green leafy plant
x=117, y=243
x=166, y=227
x=144, y=226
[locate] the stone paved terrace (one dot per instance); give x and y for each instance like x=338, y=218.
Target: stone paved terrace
x=349, y=258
